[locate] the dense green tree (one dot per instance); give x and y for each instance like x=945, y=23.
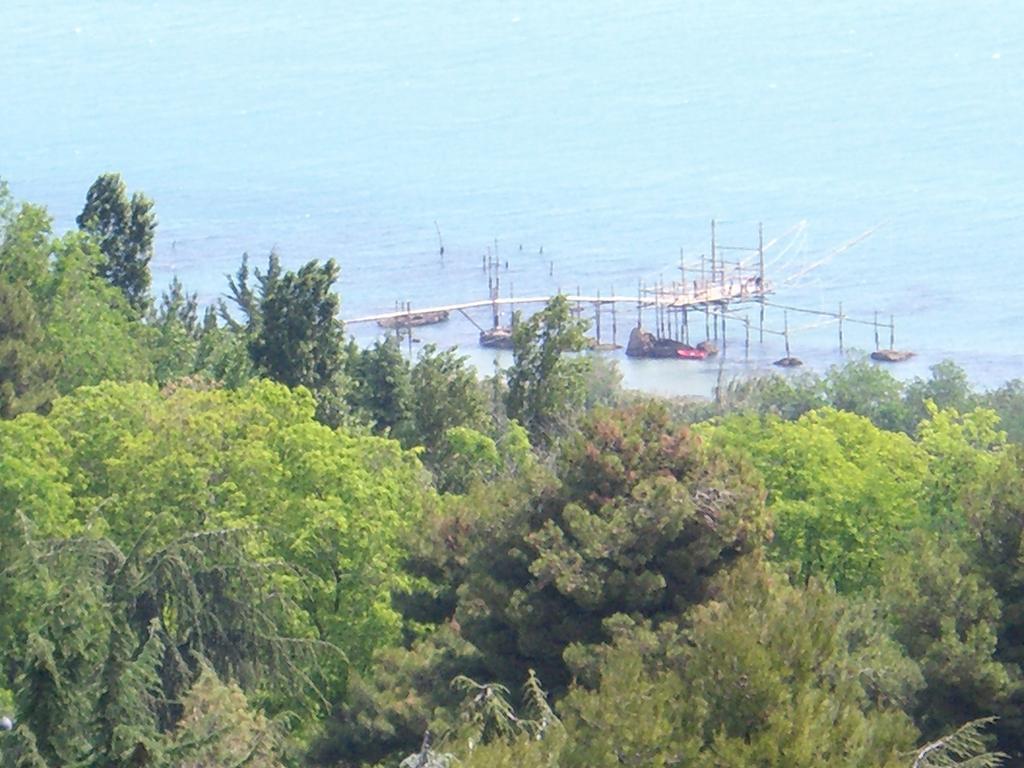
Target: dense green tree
x=124, y=230
x=119, y=639
x=381, y=391
x=963, y=453
x=385, y=715
x=445, y=394
x=220, y=727
x=788, y=397
x=996, y=517
x=947, y=619
x=546, y=386
x=946, y=388
x=295, y=336
x=330, y=504
x=25, y=370
x=26, y=249
x=642, y=517
x=842, y=492
x=1008, y=402
x=176, y=334
x=765, y=674
x=91, y=333
x=868, y=390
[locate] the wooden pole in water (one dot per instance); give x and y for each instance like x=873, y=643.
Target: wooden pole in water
x=713, y=252
x=614, y=324
x=494, y=301
x=408, y=311
x=639, y=304
x=892, y=332
x=746, y=339
x=785, y=329
x=840, y=316
x=686, y=326
x=760, y=269
x=597, y=317
x=876, y=330
x=657, y=313
x=724, y=341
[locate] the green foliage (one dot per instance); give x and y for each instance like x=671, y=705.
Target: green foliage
x=117, y=638
x=788, y=397
x=62, y=325
x=25, y=370
x=947, y=619
x=642, y=517
x=841, y=491
x=546, y=388
x=176, y=334
x=1008, y=402
x=292, y=329
x=124, y=231
x=964, y=748
x=963, y=453
x=385, y=716
x=463, y=458
x=91, y=334
x=219, y=727
x=445, y=395
x=767, y=675
x=382, y=389
x=864, y=388
x=332, y=506
x=996, y=547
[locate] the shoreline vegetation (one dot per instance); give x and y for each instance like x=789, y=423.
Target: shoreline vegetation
x=234, y=537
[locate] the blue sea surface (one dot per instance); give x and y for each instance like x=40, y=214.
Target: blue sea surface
x=584, y=143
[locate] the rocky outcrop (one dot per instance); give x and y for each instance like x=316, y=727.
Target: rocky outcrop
x=891, y=355
x=789, y=362
x=644, y=344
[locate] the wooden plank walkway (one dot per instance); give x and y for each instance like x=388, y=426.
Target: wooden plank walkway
x=671, y=298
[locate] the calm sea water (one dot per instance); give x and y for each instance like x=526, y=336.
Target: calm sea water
x=608, y=134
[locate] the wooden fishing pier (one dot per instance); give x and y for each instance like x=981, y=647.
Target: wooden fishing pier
x=709, y=295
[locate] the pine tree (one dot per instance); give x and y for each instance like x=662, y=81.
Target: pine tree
x=124, y=229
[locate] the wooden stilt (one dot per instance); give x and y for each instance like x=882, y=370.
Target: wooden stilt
x=761, y=284
x=840, y=327
x=614, y=324
x=746, y=339
x=785, y=330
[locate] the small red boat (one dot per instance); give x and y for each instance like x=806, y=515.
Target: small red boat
x=691, y=353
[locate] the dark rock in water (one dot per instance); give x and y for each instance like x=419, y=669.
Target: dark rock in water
x=891, y=355
x=644, y=344
x=788, y=362
x=640, y=343
x=708, y=347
